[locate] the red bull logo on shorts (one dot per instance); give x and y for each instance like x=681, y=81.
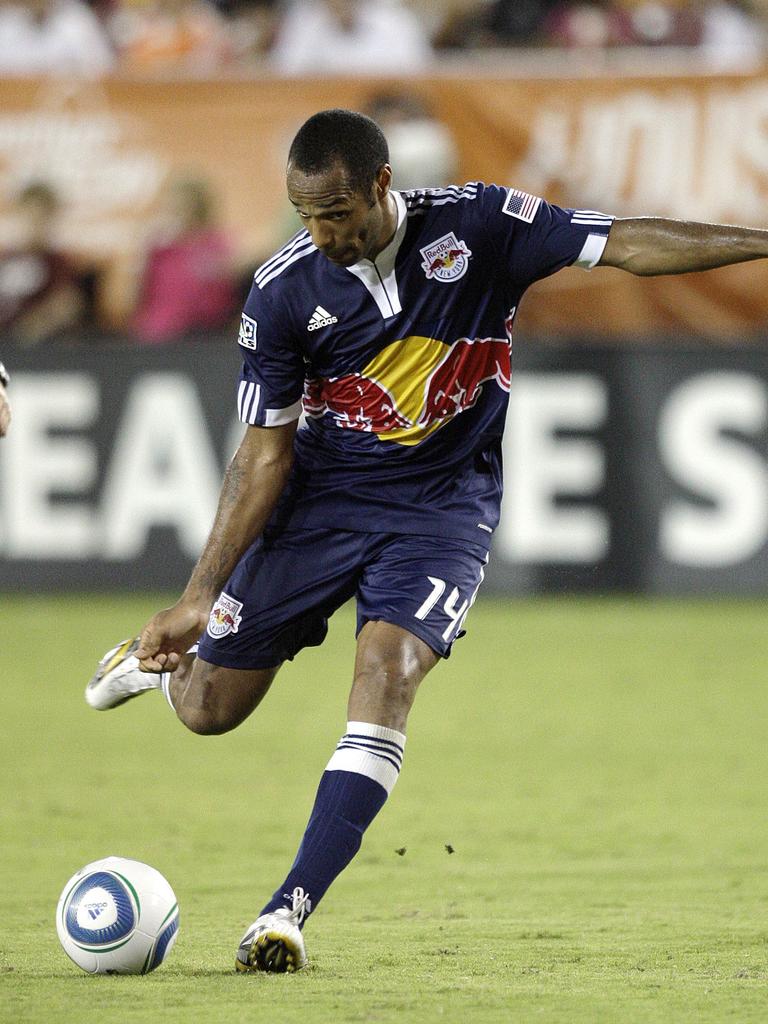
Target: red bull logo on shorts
x=225, y=617
x=446, y=259
x=413, y=387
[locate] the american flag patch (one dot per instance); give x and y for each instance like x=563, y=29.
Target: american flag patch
x=521, y=205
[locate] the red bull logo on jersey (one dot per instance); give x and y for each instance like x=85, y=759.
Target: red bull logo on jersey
x=413, y=387
x=446, y=259
x=356, y=401
x=225, y=617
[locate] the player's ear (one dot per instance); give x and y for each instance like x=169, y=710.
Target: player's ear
x=383, y=181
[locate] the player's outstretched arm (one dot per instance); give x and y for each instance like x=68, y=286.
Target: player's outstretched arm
x=253, y=482
x=654, y=245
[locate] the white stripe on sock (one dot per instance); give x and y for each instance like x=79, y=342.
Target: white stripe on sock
x=377, y=732
x=165, y=679
x=165, y=686
x=354, y=755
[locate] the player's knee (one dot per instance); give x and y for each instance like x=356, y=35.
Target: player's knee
x=390, y=664
x=202, y=712
x=208, y=704
x=205, y=721
x=394, y=689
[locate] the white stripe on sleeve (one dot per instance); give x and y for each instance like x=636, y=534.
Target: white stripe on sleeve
x=248, y=403
x=591, y=251
x=277, y=417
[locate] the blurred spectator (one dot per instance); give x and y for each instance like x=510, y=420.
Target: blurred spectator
x=734, y=34
x=724, y=31
x=252, y=26
x=518, y=22
x=187, y=285
x=422, y=150
x=470, y=24
x=188, y=36
x=52, y=37
x=40, y=295
x=350, y=37
x=659, y=22
x=591, y=24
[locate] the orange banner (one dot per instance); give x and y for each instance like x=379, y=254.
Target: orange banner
x=685, y=147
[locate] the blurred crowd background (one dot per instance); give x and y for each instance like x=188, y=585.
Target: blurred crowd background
x=188, y=273
x=298, y=37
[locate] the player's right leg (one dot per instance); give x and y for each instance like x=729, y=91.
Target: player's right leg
x=211, y=700
x=207, y=698
x=276, y=602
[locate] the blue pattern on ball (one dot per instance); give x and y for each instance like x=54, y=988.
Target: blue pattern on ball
x=162, y=943
x=126, y=915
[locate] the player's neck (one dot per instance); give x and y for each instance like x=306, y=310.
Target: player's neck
x=388, y=227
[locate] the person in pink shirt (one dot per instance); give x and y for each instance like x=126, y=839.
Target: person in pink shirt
x=187, y=286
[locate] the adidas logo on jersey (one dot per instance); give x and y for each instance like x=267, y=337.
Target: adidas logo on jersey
x=321, y=318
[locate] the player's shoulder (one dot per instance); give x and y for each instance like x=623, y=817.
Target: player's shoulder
x=474, y=201
x=497, y=207
x=422, y=201
x=292, y=259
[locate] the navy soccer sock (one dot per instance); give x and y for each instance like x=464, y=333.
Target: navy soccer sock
x=356, y=782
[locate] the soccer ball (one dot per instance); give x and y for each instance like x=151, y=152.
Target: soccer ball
x=117, y=916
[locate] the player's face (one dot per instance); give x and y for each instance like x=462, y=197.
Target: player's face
x=346, y=225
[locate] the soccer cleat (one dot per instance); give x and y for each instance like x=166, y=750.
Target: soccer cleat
x=118, y=678
x=274, y=941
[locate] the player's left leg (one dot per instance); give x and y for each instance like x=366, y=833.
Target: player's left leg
x=390, y=664
x=412, y=602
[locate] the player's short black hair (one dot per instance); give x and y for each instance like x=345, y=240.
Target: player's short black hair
x=341, y=136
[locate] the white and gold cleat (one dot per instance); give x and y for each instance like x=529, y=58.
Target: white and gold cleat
x=118, y=678
x=274, y=941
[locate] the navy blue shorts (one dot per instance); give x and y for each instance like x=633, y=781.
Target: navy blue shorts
x=285, y=588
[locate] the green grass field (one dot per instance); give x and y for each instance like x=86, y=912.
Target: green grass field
x=600, y=768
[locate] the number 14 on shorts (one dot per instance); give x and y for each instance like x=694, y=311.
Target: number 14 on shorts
x=455, y=611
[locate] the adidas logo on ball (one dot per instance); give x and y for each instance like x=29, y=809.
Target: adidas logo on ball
x=94, y=909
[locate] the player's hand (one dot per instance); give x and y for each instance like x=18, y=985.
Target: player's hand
x=168, y=636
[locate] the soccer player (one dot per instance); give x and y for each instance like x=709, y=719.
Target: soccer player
x=388, y=320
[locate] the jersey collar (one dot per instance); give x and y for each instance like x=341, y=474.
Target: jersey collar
x=385, y=261
x=379, y=275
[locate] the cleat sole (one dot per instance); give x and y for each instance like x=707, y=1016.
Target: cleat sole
x=269, y=954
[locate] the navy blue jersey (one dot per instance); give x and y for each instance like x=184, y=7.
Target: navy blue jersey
x=402, y=365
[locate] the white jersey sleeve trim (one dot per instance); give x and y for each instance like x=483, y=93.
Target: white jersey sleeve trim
x=248, y=398
x=591, y=252
x=278, y=417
